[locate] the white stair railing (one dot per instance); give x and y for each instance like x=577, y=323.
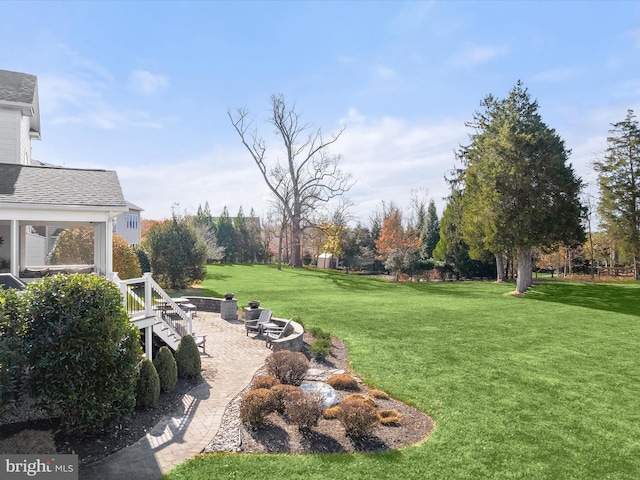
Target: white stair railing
x=144, y=298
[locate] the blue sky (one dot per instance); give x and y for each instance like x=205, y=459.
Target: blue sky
x=143, y=88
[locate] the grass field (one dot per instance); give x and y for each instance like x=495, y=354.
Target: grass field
x=546, y=386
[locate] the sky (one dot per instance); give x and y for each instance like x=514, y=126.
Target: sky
x=144, y=88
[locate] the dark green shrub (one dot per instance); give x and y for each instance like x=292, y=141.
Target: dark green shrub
x=281, y=394
x=320, y=334
x=255, y=405
x=13, y=356
x=288, y=367
x=188, y=358
x=84, y=352
x=304, y=409
x=342, y=381
x=320, y=349
x=264, y=381
x=358, y=417
x=167, y=369
x=143, y=258
x=148, y=386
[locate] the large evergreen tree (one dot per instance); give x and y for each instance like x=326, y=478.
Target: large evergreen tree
x=226, y=234
x=619, y=182
x=430, y=231
x=519, y=191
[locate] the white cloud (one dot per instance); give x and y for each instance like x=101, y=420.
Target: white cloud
x=147, y=83
x=477, y=54
x=557, y=75
x=385, y=72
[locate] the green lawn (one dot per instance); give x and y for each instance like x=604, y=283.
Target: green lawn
x=545, y=386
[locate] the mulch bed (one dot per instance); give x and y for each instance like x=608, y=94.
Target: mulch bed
x=280, y=436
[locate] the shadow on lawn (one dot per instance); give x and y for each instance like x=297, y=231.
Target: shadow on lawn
x=607, y=297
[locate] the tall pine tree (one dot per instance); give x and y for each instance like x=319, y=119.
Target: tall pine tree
x=619, y=182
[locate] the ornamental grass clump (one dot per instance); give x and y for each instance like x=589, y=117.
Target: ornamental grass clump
x=342, y=381
x=389, y=417
x=188, y=358
x=167, y=369
x=264, y=381
x=288, y=367
x=378, y=394
x=331, y=413
x=304, y=409
x=148, y=386
x=255, y=405
x=360, y=396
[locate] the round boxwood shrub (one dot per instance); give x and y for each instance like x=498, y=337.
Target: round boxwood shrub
x=281, y=394
x=84, y=352
x=188, y=358
x=167, y=369
x=148, y=386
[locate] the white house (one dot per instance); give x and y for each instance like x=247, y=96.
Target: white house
x=127, y=225
x=37, y=199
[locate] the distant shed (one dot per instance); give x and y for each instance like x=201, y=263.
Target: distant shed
x=327, y=260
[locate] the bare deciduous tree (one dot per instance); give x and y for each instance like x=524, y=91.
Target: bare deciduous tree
x=307, y=177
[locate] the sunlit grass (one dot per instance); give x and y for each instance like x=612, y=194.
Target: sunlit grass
x=544, y=386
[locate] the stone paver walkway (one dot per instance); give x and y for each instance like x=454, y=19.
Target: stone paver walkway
x=234, y=358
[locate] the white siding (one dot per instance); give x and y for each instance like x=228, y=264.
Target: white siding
x=9, y=135
x=127, y=225
x=36, y=249
x=25, y=140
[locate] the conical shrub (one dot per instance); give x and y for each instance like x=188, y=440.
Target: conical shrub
x=148, y=386
x=167, y=369
x=188, y=358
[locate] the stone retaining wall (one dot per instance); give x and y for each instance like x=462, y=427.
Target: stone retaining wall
x=207, y=304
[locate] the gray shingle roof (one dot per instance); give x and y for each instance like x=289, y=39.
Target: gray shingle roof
x=17, y=87
x=38, y=185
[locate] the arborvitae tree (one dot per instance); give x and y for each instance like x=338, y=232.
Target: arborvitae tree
x=242, y=236
x=619, y=182
x=520, y=192
x=430, y=231
x=226, y=235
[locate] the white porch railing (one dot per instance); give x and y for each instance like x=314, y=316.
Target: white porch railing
x=144, y=299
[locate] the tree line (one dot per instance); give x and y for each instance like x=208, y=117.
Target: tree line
x=515, y=203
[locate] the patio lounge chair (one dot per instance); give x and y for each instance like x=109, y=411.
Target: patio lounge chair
x=256, y=325
x=274, y=333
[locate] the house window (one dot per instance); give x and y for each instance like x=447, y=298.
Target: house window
x=132, y=220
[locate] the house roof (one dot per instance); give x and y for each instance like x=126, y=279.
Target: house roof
x=56, y=186
x=20, y=90
x=133, y=206
x=17, y=87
